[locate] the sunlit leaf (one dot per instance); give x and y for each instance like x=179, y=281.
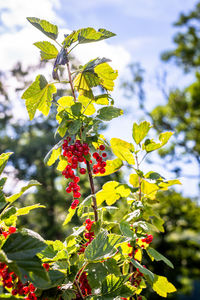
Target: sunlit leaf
x=162, y=286
x=4, y=157
x=39, y=95
x=140, y=131
x=106, y=75
x=46, y=27
x=30, y=184
x=48, y=50
x=122, y=150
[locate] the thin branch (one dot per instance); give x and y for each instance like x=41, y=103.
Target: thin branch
x=78, y=287
x=94, y=205
x=70, y=79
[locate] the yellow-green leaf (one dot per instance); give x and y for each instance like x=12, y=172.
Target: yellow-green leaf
x=46, y=27
x=165, y=184
x=48, y=50
x=88, y=108
x=140, y=131
x=123, y=190
x=30, y=184
x=65, y=103
x=112, y=166
x=54, y=156
x=39, y=96
x=134, y=180
x=106, y=75
x=122, y=150
x=108, y=193
x=149, y=189
x=71, y=213
x=4, y=157
x=27, y=209
x=85, y=80
x=162, y=286
x=62, y=163
x=151, y=145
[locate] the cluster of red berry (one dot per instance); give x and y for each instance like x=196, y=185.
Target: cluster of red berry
x=133, y=252
x=5, y=233
x=88, y=235
x=11, y=280
x=75, y=154
x=148, y=239
x=78, y=153
x=99, y=167
x=84, y=286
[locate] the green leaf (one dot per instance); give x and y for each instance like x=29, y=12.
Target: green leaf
x=3, y=160
x=112, y=166
x=146, y=272
x=103, y=246
x=140, y=131
x=158, y=256
x=48, y=50
x=102, y=99
x=125, y=229
x=114, y=286
x=27, y=209
x=68, y=295
x=8, y=213
x=108, y=193
x=23, y=245
x=30, y=184
x=88, y=108
x=31, y=269
x=123, y=150
x=9, y=297
x=76, y=109
x=108, y=113
x=71, y=213
x=74, y=126
x=87, y=35
x=96, y=274
x=39, y=96
x=162, y=286
x=46, y=27
x=53, y=154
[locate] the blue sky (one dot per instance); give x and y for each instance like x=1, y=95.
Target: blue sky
x=143, y=27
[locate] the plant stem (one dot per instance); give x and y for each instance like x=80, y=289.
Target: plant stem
x=78, y=287
x=70, y=79
x=94, y=205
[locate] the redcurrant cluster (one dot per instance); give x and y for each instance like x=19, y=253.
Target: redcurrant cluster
x=99, y=167
x=148, y=239
x=133, y=252
x=77, y=153
x=11, y=280
x=137, y=277
x=89, y=235
x=84, y=285
x=5, y=233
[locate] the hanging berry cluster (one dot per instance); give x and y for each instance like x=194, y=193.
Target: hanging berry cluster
x=89, y=235
x=84, y=285
x=77, y=153
x=11, y=280
x=6, y=233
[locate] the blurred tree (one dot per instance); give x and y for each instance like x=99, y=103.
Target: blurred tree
x=180, y=243
x=187, y=51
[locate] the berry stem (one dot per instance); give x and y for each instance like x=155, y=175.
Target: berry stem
x=94, y=205
x=70, y=79
x=79, y=290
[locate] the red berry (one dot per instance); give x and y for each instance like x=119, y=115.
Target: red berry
x=77, y=195
x=14, y=292
x=104, y=154
x=76, y=179
x=68, y=189
x=88, y=221
x=102, y=147
x=46, y=266
x=95, y=155
x=102, y=170
x=82, y=171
